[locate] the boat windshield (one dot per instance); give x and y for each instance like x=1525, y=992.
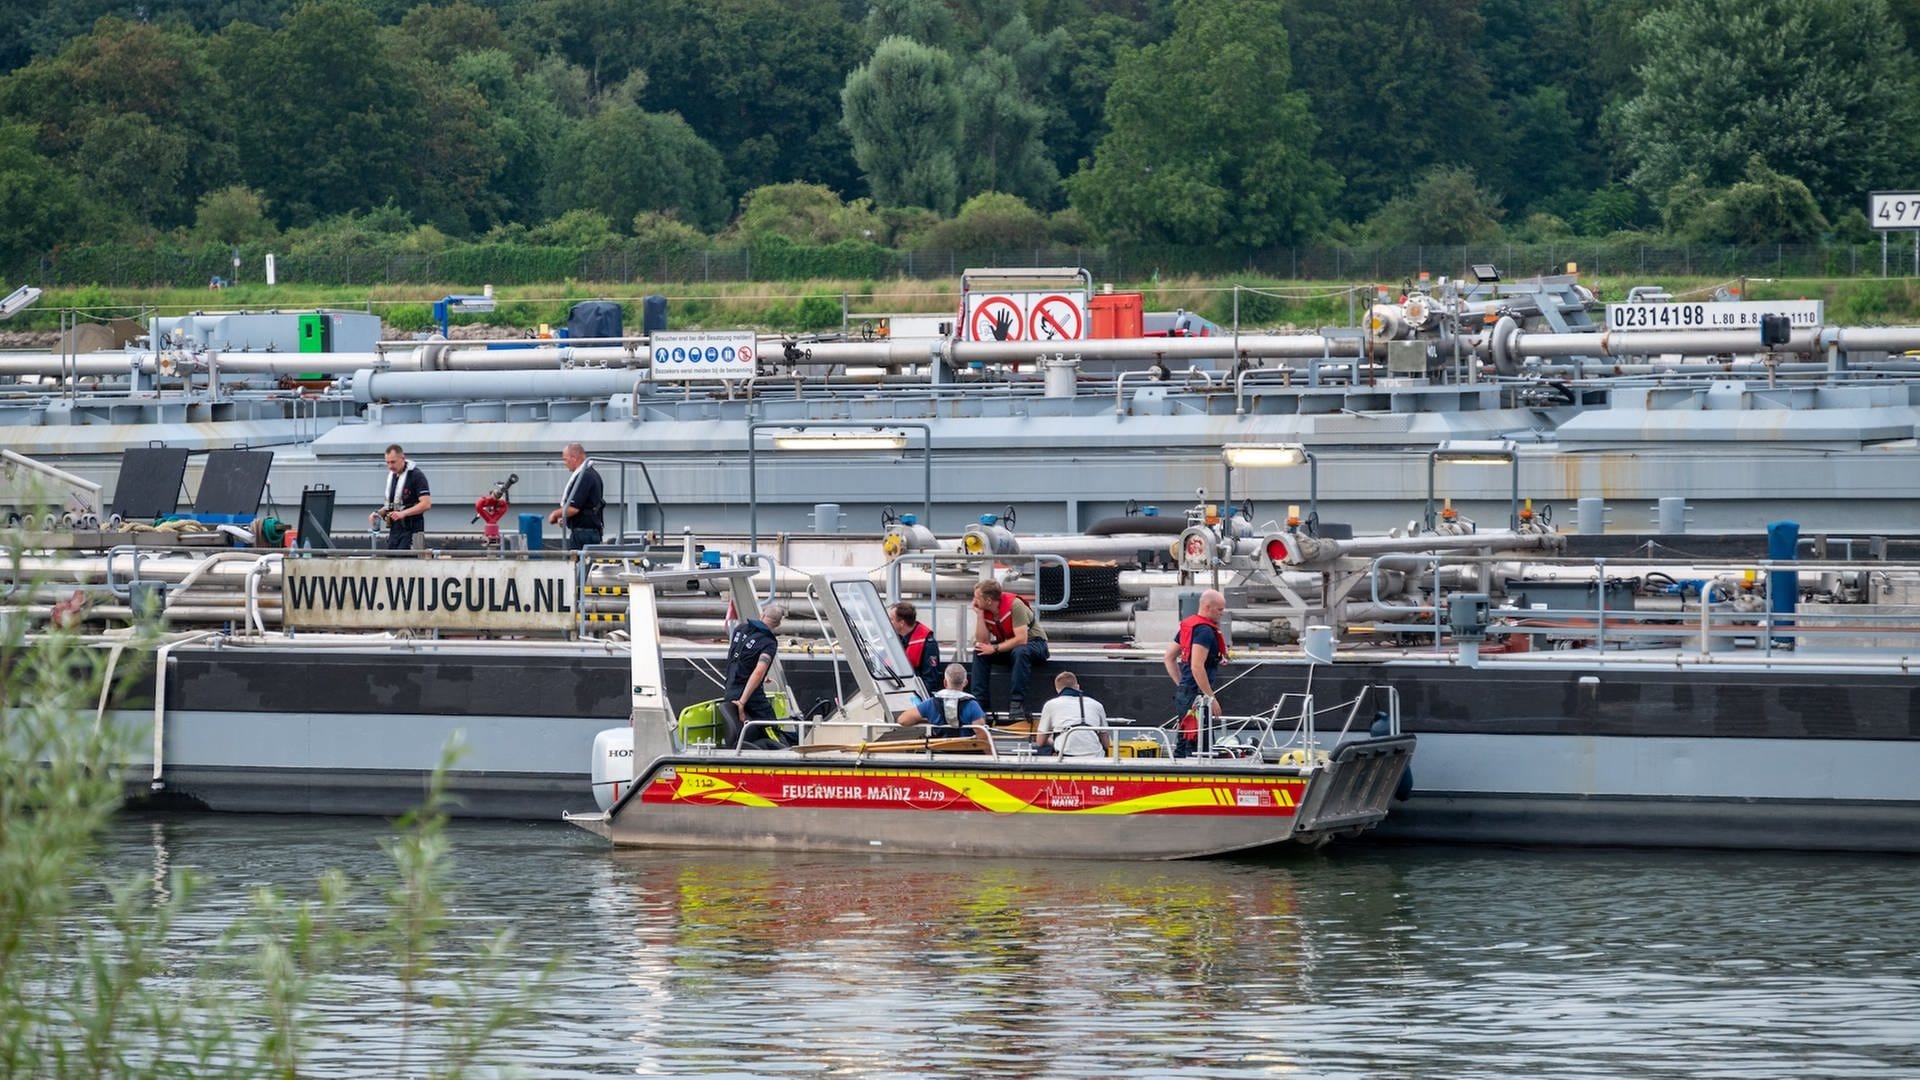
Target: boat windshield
x=873, y=632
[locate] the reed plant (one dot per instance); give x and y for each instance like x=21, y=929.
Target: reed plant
x=100, y=978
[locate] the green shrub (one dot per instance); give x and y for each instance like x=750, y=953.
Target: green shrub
x=817, y=313
x=410, y=317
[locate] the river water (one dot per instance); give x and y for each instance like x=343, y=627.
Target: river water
x=1362, y=961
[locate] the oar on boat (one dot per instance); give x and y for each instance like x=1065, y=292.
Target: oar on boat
x=960, y=743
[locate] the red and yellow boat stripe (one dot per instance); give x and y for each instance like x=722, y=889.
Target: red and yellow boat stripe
x=990, y=791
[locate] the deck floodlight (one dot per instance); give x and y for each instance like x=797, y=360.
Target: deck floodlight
x=1485, y=272
x=1476, y=452
x=877, y=439
x=1263, y=455
x=830, y=436
x=1273, y=456
x=18, y=300
x=459, y=303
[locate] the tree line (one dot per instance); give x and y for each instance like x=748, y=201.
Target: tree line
x=940, y=124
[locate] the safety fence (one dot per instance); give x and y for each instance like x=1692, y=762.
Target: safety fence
x=635, y=264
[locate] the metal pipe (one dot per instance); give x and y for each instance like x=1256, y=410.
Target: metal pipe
x=160, y=700
x=369, y=385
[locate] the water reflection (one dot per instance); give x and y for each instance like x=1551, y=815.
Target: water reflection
x=1361, y=962
x=1028, y=969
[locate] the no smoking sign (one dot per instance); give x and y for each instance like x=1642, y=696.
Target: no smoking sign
x=1056, y=318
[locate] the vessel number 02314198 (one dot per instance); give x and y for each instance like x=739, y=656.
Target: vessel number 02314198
x=1711, y=315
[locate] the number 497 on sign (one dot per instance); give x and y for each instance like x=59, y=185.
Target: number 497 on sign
x=1894, y=209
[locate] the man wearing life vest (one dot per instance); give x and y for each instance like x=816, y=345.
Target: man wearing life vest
x=951, y=712
x=1197, y=651
x=1072, y=724
x=750, y=656
x=922, y=648
x=1005, y=631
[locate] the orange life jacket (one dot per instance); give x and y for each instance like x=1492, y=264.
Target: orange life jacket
x=917, y=639
x=1185, y=638
x=1000, y=626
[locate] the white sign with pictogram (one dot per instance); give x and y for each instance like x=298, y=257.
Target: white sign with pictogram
x=724, y=354
x=1057, y=317
x=997, y=317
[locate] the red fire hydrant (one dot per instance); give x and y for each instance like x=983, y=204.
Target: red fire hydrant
x=493, y=506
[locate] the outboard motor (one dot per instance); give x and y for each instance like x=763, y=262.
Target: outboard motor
x=612, y=765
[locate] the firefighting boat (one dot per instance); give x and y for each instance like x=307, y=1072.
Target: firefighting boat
x=1296, y=775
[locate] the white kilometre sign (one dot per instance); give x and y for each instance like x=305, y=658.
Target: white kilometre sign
x=686, y=354
x=1894, y=209
x=422, y=594
x=1712, y=315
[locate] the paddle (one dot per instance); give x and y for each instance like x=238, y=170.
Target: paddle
x=965, y=742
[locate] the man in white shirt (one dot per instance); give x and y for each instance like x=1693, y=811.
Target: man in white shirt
x=1072, y=724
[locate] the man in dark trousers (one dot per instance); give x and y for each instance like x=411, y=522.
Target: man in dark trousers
x=1195, y=654
x=583, y=502
x=1005, y=631
x=405, y=504
x=750, y=656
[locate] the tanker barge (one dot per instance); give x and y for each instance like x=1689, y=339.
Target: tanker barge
x=1718, y=429
x=1665, y=709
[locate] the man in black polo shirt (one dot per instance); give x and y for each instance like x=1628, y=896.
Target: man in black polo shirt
x=583, y=502
x=404, y=505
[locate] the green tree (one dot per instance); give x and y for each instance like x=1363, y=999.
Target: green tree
x=1823, y=89
x=757, y=80
x=1396, y=86
x=40, y=204
x=1447, y=205
x=622, y=161
x=606, y=40
x=656, y=234
x=807, y=214
x=1763, y=207
x=523, y=123
x=990, y=222
x=447, y=31
x=929, y=22
x=902, y=109
x=1611, y=209
x=327, y=120
x=1087, y=58
x=1539, y=60
x=1000, y=133
x=137, y=113
x=576, y=229
x=232, y=215
x=1206, y=144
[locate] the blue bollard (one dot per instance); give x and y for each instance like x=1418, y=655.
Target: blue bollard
x=1783, y=586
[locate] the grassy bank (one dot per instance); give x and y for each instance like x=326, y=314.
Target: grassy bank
x=819, y=305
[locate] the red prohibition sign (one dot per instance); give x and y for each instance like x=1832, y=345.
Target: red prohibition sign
x=1055, y=318
x=997, y=318
x=746, y=353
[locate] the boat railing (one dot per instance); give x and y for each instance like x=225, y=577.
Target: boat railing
x=1186, y=378
x=1294, y=723
x=1702, y=615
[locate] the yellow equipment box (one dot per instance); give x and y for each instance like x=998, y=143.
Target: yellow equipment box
x=1139, y=748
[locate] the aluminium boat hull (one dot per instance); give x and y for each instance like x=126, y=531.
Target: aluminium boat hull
x=973, y=806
